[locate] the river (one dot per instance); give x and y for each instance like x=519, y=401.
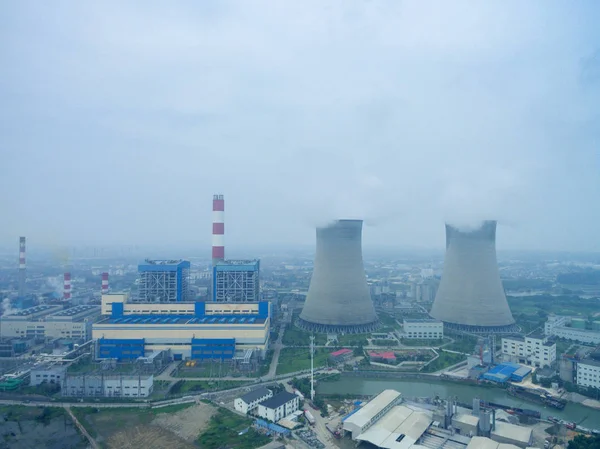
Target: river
x=583, y=416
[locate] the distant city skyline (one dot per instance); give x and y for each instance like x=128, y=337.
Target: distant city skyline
x=120, y=120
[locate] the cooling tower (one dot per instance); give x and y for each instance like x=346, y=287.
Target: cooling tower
x=470, y=295
x=338, y=298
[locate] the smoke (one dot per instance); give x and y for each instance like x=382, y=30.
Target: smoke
x=7, y=308
x=56, y=284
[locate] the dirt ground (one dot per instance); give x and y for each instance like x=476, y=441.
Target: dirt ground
x=188, y=423
x=147, y=437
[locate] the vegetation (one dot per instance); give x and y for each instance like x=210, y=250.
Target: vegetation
x=591, y=277
x=423, y=343
x=462, y=343
x=228, y=430
x=584, y=442
x=298, y=359
x=297, y=337
x=353, y=339
x=445, y=360
x=526, y=284
x=385, y=342
x=266, y=365
x=197, y=386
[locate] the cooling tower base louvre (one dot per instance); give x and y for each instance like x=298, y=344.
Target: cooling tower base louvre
x=512, y=329
x=333, y=329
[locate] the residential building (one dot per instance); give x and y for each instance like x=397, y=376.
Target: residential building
x=279, y=406
x=533, y=350
x=249, y=402
x=425, y=329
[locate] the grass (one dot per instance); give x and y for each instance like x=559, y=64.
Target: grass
x=388, y=322
x=297, y=337
x=196, y=386
x=205, y=369
x=384, y=342
x=353, y=339
x=22, y=413
x=298, y=359
x=424, y=343
x=462, y=343
x=224, y=429
x=445, y=360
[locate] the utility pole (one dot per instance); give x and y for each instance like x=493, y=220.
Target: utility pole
x=312, y=368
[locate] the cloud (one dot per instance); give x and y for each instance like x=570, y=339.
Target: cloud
x=121, y=119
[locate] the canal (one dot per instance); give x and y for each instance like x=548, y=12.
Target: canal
x=583, y=416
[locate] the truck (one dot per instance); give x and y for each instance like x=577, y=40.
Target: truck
x=309, y=417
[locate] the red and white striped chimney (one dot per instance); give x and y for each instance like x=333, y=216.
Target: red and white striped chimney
x=104, y=283
x=22, y=266
x=218, y=233
x=67, y=287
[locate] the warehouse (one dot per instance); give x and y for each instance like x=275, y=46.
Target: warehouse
x=43, y=322
x=194, y=330
x=107, y=385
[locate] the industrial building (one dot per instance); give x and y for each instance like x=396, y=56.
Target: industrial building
x=573, y=328
x=338, y=299
x=107, y=385
x=533, y=350
x=50, y=322
x=164, y=281
x=470, y=296
x=279, y=406
x=588, y=373
x=47, y=373
x=194, y=330
x=248, y=402
x=425, y=329
x=236, y=281
x=388, y=422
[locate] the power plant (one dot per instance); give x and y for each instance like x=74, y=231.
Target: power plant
x=470, y=296
x=218, y=230
x=338, y=299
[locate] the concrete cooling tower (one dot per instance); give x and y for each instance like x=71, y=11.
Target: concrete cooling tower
x=338, y=299
x=470, y=296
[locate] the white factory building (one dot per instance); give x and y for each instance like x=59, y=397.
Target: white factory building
x=278, y=406
x=107, y=385
x=533, y=350
x=47, y=373
x=50, y=322
x=588, y=373
x=390, y=423
x=249, y=402
x=425, y=329
x=571, y=328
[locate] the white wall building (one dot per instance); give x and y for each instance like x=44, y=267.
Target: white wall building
x=279, y=406
x=588, y=373
x=109, y=385
x=533, y=350
x=560, y=326
x=249, y=402
x=47, y=373
x=377, y=407
x=425, y=329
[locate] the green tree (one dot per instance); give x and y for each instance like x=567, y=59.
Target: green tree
x=584, y=442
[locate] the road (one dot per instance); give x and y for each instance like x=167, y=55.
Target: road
x=277, y=350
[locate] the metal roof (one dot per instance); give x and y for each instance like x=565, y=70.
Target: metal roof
x=279, y=399
x=253, y=395
x=157, y=319
x=375, y=405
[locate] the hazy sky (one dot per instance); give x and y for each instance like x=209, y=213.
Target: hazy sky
x=119, y=120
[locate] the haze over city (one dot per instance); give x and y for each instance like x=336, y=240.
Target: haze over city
x=120, y=120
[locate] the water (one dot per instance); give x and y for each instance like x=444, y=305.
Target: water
x=583, y=416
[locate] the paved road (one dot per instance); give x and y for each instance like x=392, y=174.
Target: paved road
x=277, y=350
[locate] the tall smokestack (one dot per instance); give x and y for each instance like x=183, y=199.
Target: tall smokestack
x=22, y=270
x=67, y=287
x=471, y=296
x=218, y=233
x=338, y=299
x=104, y=283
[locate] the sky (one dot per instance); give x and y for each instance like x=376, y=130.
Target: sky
x=119, y=120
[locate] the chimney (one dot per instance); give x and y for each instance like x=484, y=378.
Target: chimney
x=67, y=287
x=104, y=283
x=218, y=229
x=22, y=272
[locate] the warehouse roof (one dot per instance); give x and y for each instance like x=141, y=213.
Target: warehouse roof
x=375, y=406
x=341, y=352
x=184, y=319
x=253, y=395
x=279, y=399
x=400, y=428
x=486, y=443
x=513, y=432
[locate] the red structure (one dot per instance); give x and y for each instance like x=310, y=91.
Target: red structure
x=218, y=229
x=104, y=283
x=67, y=287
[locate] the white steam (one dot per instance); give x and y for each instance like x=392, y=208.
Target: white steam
x=7, y=308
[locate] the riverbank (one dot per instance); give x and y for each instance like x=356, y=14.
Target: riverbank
x=357, y=384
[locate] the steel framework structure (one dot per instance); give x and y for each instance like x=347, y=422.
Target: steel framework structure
x=236, y=281
x=164, y=281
